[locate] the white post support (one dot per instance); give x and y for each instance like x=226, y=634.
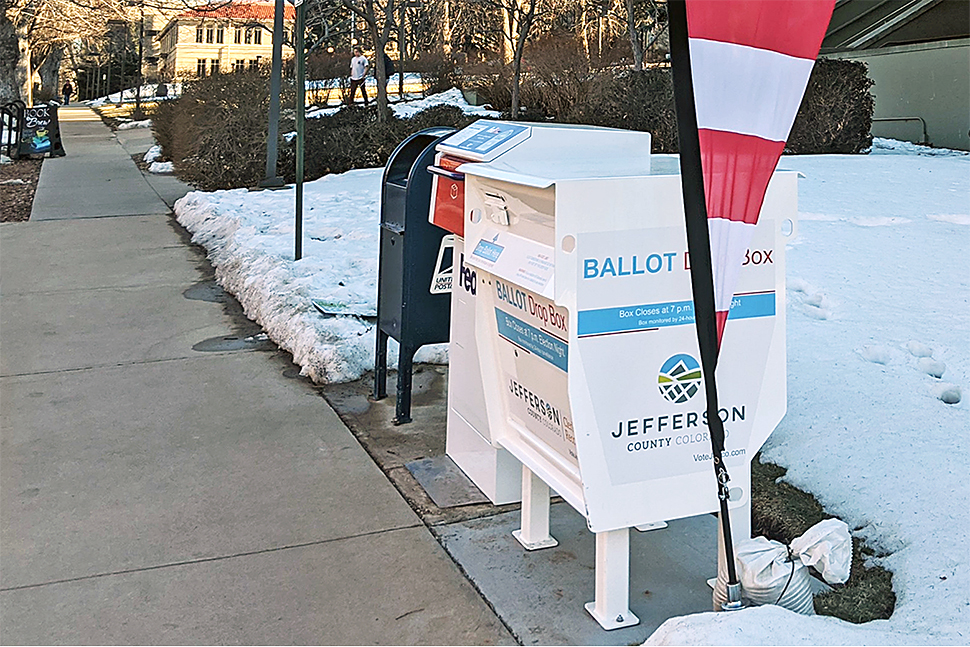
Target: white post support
x=611, y=608
x=534, y=534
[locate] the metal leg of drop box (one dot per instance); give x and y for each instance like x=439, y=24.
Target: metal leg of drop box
x=534, y=534
x=380, y=366
x=611, y=608
x=402, y=411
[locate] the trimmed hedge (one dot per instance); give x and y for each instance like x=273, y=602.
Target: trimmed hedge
x=835, y=115
x=215, y=133
x=353, y=138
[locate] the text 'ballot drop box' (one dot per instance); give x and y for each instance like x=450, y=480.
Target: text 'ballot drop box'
x=586, y=341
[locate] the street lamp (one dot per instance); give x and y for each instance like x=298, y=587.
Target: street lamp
x=271, y=179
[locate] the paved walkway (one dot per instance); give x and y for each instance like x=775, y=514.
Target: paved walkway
x=152, y=493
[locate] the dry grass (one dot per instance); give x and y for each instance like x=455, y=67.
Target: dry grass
x=783, y=512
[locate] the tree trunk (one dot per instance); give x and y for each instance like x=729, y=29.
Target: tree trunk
x=11, y=70
x=508, y=36
x=524, y=25
x=379, y=72
x=446, y=28
x=634, y=37
x=50, y=69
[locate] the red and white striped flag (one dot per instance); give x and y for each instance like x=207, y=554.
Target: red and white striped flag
x=750, y=63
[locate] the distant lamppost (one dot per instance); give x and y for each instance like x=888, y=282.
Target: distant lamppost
x=271, y=179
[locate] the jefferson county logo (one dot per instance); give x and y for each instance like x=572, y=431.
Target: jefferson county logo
x=680, y=378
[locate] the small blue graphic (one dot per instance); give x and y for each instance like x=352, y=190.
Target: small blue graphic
x=680, y=378
x=488, y=251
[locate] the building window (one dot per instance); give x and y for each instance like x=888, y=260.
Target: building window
x=210, y=35
x=239, y=65
x=254, y=63
x=214, y=66
x=249, y=36
x=220, y=35
x=258, y=36
x=198, y=34
x=200, y=67
x=238, y=37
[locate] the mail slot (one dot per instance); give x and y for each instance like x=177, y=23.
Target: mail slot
x=449, y=194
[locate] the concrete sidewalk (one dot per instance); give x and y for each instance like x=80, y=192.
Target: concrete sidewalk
x=165, y=476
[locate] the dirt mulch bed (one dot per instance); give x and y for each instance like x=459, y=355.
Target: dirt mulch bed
x=17, y=198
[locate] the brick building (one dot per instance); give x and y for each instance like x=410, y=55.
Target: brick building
x=234, y=37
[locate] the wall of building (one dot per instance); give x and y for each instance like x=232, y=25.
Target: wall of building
x=930, y=81
x=181, y=57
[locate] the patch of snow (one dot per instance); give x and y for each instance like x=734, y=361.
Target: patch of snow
x=152, y=154
x=952, y=218
x=452, y=97
x=407, y=109
x=249, y=236
x=146, y=123
x=13, y=181
x=161, y=167
x=930, y=366
x=918, y=349
x=883, y=146
x=4, y=159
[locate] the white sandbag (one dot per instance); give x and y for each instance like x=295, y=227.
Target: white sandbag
x=828, y=547
x=769, y=574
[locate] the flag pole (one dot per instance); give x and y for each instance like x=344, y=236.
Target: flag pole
x=702, y=277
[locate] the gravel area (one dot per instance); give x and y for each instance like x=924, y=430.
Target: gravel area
x=18, y=181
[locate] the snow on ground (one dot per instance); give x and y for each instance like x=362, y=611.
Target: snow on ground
x=153, y=154
x=129, y=125
x=161, y=167
x=408, y=109
x=250, y=239
x=878, y=338
x=879, y=307
x=148, y=93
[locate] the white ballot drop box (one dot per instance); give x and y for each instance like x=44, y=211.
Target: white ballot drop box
x=584, y=337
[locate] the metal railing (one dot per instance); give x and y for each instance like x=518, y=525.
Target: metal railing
x=12, y=115
x=925, y=139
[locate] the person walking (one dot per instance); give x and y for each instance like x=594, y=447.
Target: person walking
x=358, y=72
x=67, y=91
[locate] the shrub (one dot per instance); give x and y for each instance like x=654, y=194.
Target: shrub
x=836, y=113
x=333, y=70
x=353, y=138
x=633, y=100
x=215, y=133
x=439, y=73
x=556, y=76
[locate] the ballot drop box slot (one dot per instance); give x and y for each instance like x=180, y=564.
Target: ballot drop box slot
x=586, y=343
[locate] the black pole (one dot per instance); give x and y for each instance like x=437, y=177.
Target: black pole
x=271, y=179
x=300, y=53
x=139, y=79
x=699, y=248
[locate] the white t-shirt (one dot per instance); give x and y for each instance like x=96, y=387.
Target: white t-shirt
x=358, y=67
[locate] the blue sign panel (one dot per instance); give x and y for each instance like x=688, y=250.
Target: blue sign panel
x=490, y=137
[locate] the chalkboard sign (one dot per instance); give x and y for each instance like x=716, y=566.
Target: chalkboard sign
x=40, y=132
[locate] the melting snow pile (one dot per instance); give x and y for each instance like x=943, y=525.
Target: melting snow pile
x=250, y=238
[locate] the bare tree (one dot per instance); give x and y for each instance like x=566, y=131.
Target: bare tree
x=646, y=25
